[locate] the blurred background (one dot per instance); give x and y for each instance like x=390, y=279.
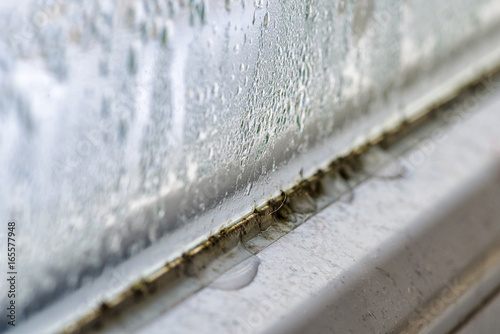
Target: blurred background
x=126, y=124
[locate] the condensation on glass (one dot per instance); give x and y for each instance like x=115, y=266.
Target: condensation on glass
x=131, y=122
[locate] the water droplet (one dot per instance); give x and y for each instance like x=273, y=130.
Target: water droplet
x=215, y=89
x=249, y=188
x=308, y=11
x=342, y=6
x=257, y=3
x=266, y=19
x=163, y=36
x=132, y=61
x=239, y=276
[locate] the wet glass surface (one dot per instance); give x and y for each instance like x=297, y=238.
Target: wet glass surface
x=127, y=123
